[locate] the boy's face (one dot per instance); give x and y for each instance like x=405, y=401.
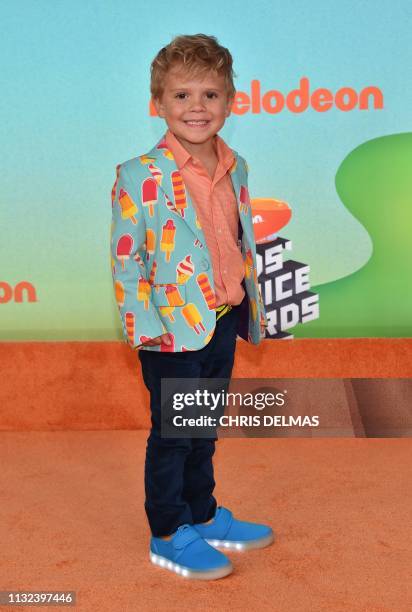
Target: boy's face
x=185, y=101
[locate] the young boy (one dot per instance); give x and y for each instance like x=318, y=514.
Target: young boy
x=184, y=272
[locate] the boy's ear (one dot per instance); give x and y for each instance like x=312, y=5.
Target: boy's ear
x=158, y=106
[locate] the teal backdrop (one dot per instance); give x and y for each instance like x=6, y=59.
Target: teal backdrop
x=75, y=103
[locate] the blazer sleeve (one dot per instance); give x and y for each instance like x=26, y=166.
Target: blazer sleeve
x=140, y=319
x=262, y=312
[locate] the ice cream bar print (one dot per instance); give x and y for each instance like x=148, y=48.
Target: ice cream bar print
x=163, y=147
x=124, y=248
x=193, y=317
x=170, y=204
x=149, y=194
x=166, y=311
x=150, y=242
x=144, y=159
x=156, y=173
x=115, y=184
x=128, y=207
x=119, y=292
x=139, y=260
x=179, y=192
x=129, y=320
x=248, y=263
x=153, y=273
x=173, y=296
x=244, y=199
x=254, y=308
x=167, y=242
x=143, y=292
x=207, y=291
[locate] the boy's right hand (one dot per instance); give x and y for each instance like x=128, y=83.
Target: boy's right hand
x=163, y=339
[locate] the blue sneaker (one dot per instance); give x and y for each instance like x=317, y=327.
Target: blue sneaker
x=187, y=554
x=227, y=532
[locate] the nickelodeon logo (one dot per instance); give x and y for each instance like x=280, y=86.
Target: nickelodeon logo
x=299, y=100
x=22, y=292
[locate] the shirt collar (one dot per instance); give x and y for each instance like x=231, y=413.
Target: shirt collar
x=182, y=156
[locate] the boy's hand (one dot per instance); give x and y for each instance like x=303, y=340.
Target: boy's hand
x=163, y=339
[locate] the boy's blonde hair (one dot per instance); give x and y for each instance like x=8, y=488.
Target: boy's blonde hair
x=197, y=54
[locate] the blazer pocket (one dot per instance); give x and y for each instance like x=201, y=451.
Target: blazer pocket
x=169, y=294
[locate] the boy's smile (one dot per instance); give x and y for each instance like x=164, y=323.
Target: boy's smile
x=194, y=110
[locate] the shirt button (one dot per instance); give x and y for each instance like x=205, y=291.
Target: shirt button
x=219, y=231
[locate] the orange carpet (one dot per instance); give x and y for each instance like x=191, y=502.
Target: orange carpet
x=98, y=385
x=71, y=511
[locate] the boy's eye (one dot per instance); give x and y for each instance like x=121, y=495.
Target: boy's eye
x=182, y=94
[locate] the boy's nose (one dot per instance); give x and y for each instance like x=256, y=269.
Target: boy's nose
x=197, y=104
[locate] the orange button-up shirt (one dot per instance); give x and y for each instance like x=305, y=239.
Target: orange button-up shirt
x=216, y=207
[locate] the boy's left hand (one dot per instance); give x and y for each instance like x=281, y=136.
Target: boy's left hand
x=262, y=329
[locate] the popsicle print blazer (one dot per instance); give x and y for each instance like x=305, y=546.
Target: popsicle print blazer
x=161, y=266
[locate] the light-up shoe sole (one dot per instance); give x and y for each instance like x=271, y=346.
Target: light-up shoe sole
x=241, y=546
x=187, y=572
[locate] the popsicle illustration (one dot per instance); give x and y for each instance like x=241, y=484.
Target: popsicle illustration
x=149, y=194
x=184, y=270
x=156, y=173
x=143, y=292
x=139, y=260
x=130, y=326
x=198, y=223
x=129, y=208
x=170, y=204
x=162, y=145
x=115, y=184
x=166, y=311
x=124, y=248
x=167, y=242
x=150, y=242
x=193, y=317
x=179, y=192
x=253, y=306
x=144, y=159
x=244, y=199
x=248, y=263
x=207, y=291
x=198, y=243
x=119, y=292
x=173, y=296
x=153, y=273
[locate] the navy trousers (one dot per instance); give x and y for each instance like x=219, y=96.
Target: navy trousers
x=179, y=479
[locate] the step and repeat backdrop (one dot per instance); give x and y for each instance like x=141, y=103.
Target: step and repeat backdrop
x=322, y=115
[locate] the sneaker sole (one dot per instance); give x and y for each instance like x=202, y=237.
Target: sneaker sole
x=241, y=546
x=186, y=572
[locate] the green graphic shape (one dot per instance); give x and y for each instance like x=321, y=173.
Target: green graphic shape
x=375, y=183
